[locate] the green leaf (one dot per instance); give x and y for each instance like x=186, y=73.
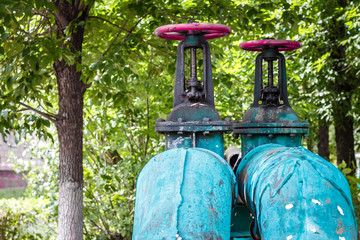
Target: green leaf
x=106, y=177
x=346, y=171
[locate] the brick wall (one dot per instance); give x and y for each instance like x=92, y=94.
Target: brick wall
x=10, y=179
x=8, y=150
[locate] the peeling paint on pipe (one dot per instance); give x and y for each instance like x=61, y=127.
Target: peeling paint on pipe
x=184, y=194
x=295, y=194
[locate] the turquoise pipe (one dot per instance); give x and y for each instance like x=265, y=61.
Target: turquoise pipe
x=295, y=194
x=184, y=193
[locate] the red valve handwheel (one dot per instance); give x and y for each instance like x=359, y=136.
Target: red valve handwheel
x=178, y=31
x=259, y=45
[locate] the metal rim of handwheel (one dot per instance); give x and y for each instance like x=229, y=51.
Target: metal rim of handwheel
x=179, y=31
x=259, y=45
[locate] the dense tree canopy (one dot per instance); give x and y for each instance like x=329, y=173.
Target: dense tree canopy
x=97, y=64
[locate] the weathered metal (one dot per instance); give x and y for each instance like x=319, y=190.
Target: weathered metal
x=295, y=194
x=194, y=121
x=270, y=118
x=239, y=219
x=176, y=31
x=233, y=156
x=187, y=192
x=259, y=45
x=291, y=192
x=184, y=194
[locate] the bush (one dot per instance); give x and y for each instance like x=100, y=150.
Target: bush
x=26, y=219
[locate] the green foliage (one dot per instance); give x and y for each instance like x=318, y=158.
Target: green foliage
x=25, y=218
x=26, y=64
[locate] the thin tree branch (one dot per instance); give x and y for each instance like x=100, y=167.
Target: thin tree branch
x=117, y=36
x=86, y=232
x=91, y=156
x=45, y=16
x=48, y=31
x=109, y=22
x=121, y=29
x=51, y=29
x=87, y=85
x=94, y=223
x=39, y=102
x=130, y=140
x=147, y=125
x=105, y=224
x=148, y=108
x=49, y=117
x=41, y=21
x=133, y=28
x=11, y=58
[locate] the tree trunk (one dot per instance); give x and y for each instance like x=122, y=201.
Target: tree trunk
x=344, y=135
x=70, y=126
x=343, y=86
x=71, y=91
x=323, y=143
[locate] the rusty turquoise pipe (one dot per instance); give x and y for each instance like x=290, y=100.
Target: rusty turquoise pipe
x=295, y=194
x=184, y=194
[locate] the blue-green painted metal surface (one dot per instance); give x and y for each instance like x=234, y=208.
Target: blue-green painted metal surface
x=184, y=194
x=209, y=140
x=295, y=194
x=240, y=222
x=264, y=124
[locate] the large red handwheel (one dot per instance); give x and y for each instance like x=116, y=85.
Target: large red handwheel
x=178, y=31
x=259, y=45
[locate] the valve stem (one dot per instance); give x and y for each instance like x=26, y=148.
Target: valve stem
x=193, y=73
x=270, y=73
x=194, y=86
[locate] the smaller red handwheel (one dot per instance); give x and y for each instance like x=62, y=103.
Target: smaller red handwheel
x=179, y=31
x=259, y=45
